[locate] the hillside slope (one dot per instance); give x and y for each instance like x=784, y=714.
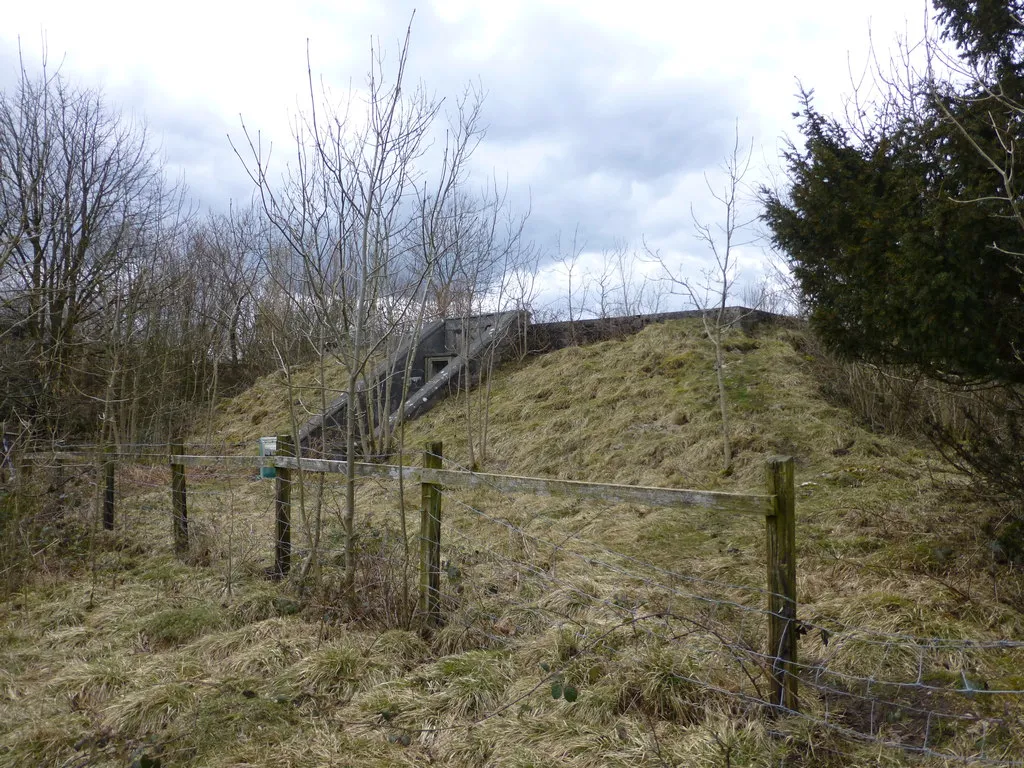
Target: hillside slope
x=574, y=632
x=881, y=511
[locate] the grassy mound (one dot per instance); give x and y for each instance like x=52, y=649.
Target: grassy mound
x=574, y=632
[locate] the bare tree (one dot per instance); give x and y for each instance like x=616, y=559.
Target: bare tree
x=343, y=208
x=490, y=249
x=711, y=291
x=602, y=281
x=570, y=264
x=616, y=288
x=521, y=290
x=82, y=197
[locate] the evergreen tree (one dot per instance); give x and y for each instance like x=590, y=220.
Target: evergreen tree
x=904, y=229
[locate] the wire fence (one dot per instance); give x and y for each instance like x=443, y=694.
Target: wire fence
x=914, y=697
x=510, y=571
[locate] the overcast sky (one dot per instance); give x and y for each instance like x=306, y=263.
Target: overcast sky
x=606, y=116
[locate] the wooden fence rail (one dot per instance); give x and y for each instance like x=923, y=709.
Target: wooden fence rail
x=777, y=507
x=750, y=504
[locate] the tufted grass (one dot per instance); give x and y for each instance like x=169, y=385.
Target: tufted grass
x=208, y=663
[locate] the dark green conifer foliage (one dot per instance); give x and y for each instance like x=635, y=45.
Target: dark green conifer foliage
x=898, y=225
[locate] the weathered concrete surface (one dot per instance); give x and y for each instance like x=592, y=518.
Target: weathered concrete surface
x=493, y=343
x=422, y=371
x=547, y=337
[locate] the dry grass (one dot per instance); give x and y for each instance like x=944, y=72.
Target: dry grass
x=641, y=612
x=265, y=408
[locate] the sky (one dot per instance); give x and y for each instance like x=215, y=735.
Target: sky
x=607, y=120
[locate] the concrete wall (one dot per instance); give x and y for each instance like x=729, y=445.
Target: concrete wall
x=547, y=337
x=462, y=346
x=492, y=340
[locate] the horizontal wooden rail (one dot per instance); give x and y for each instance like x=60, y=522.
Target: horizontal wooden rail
x=750, y=504
x=159, y=459
x=304, y=464
x=622, y=494
x=69, y=455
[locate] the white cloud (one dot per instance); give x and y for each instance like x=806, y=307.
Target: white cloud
x=605, y=114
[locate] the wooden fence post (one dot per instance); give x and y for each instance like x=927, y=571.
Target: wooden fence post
x=108, y=491
x=179, y=506
x=430, y=537
x=283, y=510
x=781, y=545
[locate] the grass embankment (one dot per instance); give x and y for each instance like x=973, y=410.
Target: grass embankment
x=277, y=404
x=646, y=623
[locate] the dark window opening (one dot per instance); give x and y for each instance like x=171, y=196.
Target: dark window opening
x=435, y=365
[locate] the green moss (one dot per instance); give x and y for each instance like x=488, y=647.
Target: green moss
x=177, y=626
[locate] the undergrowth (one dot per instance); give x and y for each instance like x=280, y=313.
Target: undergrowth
x=572, y=632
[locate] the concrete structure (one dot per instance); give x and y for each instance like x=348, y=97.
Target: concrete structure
x=419, y=374
x=547, y=337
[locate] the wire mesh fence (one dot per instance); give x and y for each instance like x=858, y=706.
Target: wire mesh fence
x=512, y=571
x=932, y=697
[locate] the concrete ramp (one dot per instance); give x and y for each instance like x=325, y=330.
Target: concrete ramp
x=419, y=375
